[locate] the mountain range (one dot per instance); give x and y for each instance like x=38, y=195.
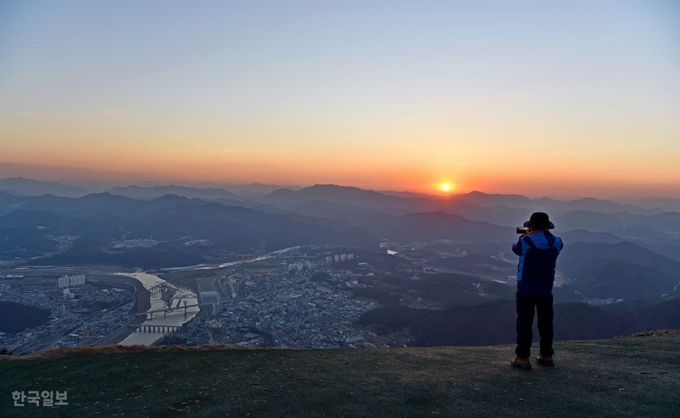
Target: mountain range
x=617, y=254
x=153, y=192
x=26, y=187
x=493, y=322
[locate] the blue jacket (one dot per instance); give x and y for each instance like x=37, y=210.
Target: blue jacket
x=537, y=258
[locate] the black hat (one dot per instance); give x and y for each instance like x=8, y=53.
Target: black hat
x=539, y=220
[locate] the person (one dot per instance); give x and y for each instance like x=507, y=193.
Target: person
x=537, y=250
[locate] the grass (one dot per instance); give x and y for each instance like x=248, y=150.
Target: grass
x=626, y=377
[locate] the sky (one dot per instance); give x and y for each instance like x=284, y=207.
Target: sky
x=576, y=98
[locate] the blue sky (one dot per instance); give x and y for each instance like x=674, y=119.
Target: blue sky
x=378, y=94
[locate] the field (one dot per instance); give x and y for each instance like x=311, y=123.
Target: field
x=634, y=376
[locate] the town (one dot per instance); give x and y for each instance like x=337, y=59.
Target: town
x=298, y=298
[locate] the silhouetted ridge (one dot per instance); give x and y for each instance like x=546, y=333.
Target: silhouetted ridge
x=460, y=324
x=29, y=187
x=153, y=192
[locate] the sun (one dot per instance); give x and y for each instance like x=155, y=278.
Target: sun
x=446, y=187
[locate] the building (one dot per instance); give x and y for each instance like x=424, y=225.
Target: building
x=296, y=266
x=71, y=281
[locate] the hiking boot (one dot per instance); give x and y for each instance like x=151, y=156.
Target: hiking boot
x=545, y=360
x=520, y=363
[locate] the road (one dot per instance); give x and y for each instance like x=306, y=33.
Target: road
x=46, y=342
x=501, y=256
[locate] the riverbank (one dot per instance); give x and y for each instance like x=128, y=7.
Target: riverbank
x=142, y=304
x=187, y=279
x=142, y=299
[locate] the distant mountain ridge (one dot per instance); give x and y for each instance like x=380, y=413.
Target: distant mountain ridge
x=153, y=192
x=337, y=194
x=669, y=204
x=330, y=214
x=621, y=270
x=476, y=201
x=551, y=205
x=398, y=202
x=27, y=187
x=485, y=199
x=99, y=220
x=582, y=235
x=459, y=324
x=436, y=225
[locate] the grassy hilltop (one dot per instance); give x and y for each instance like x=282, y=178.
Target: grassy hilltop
x=634, y=377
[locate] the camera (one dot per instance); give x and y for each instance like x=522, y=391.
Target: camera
x=522, y=230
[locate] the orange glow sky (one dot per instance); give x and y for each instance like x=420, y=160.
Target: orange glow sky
x=549, y=100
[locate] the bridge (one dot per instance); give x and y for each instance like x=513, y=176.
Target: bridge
x=164, y=286
x=185, y=306
x=155, y=328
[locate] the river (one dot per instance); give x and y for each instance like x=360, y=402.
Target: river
x=176, y=318
x=179, y=318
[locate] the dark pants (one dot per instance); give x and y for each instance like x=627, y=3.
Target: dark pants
x=525, y=321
